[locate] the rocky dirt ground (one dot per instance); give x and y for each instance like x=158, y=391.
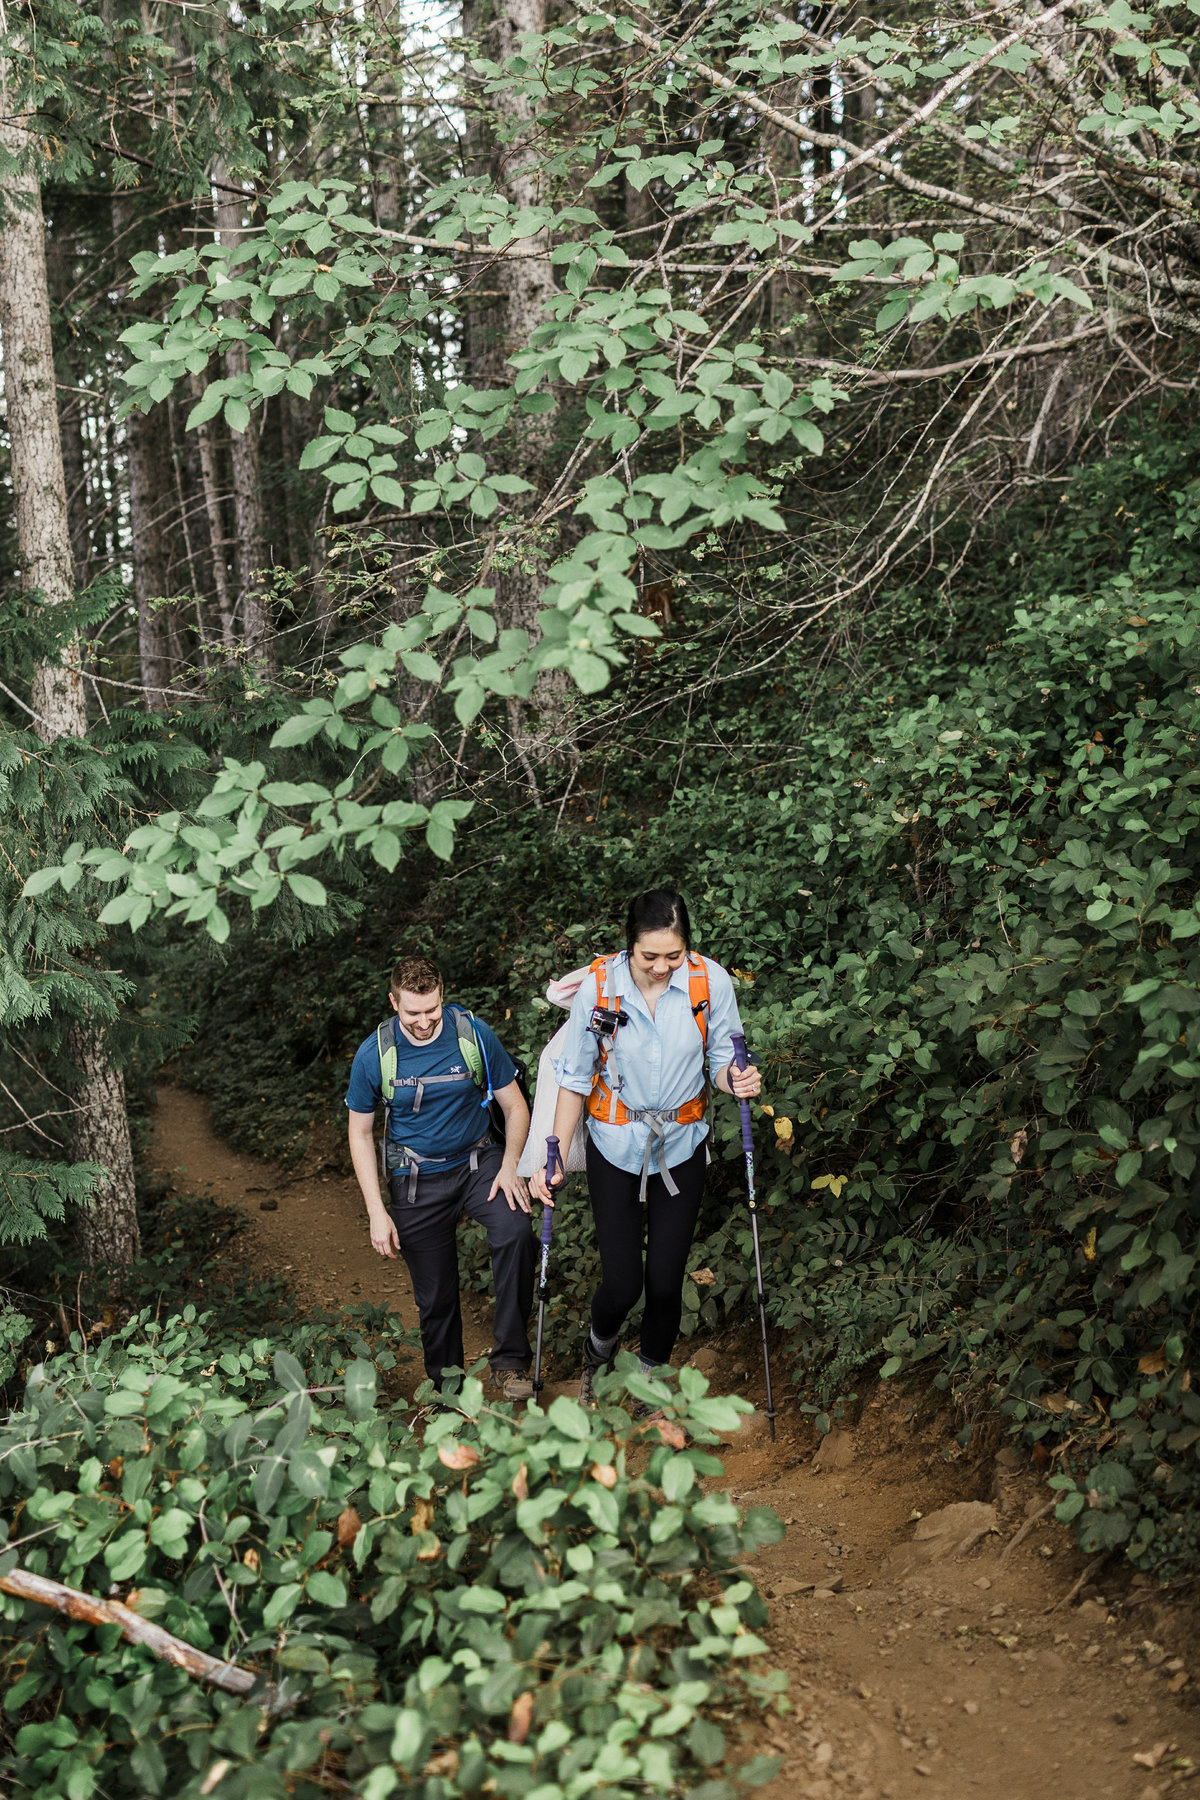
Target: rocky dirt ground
x=925, y=1606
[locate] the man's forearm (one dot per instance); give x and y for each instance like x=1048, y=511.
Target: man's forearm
x=366, y=1170
x=516, y=1129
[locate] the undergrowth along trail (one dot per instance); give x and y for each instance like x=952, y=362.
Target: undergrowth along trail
x=914, y=1670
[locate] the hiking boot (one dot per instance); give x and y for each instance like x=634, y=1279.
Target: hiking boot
x=513, y=1384
x=593, y=1365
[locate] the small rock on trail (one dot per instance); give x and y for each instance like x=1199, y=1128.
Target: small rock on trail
x=835, y=1451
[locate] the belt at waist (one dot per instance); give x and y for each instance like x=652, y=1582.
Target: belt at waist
x=402, y=1156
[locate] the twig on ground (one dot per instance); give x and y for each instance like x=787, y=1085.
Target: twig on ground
x=229, y=1676
x=1089, y=1574
x=1019, y=1537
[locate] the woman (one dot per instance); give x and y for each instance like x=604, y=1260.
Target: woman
x=643, y=1026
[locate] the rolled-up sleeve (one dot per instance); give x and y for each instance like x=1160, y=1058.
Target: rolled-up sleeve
x=723, y=1019
x=578, y=1060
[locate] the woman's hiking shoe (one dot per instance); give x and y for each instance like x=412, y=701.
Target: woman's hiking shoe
x=513, y=1384
x=593, y=1365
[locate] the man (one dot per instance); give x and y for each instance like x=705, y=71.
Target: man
x=442, y=1162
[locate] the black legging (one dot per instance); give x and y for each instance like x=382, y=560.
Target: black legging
x=669, y=1221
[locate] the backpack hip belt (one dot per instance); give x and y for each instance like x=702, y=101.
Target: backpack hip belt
x=656, y=1119
x=398, y=1157
x=604, y=1103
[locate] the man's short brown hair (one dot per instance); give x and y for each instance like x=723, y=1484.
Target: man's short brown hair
x=416, y=975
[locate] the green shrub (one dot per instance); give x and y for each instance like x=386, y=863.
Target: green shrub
x=516, y=1605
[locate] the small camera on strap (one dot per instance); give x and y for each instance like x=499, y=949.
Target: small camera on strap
x=605, y=1020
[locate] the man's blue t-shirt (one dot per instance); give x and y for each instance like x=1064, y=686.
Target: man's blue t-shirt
x=450, y=1118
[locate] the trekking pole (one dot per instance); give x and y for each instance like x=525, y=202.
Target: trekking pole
x=554, y=1165
x=740, y=1058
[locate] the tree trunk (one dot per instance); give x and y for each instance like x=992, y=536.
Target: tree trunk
x=60, y=269
x=108, y=1226
x=214, y=513
x=149, y=469
x=498, y=144
x=249, y=553
x=100, y=1134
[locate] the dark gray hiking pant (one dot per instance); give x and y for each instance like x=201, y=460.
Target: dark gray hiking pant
x=427, y=1243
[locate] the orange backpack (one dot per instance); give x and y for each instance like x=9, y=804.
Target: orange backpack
x=604, y=1102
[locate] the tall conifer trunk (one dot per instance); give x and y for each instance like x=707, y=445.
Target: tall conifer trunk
x=498, y=143
x=108, y=1227
x=249, y=550
x=149, y=471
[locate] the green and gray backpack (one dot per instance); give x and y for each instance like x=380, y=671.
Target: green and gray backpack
x=477, y=1070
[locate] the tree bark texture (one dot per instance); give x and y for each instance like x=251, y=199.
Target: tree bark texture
x=148, y=455
x=498, y=143
x=108, y=1227
x=215, y=517
x=149, y=470
x=39, y=484
x=60, y=267
x=249, y=550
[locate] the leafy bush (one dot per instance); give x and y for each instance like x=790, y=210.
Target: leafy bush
x=524, y=1605
x=962, y=915
x=15, y=1327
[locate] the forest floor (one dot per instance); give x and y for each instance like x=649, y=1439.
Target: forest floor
x=932, y=1642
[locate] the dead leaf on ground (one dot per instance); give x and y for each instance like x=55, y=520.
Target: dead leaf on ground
x=422, y=1518
x=605, y=1474
x=703, y=1277
x=458, y=1456
x=1150, y=1759
x=348, y=1526
x=445, y=1762
x=521, y=1719
x=520, y=1483
x=672, y=1434
x=1152, y=1362
x=1058, y=1403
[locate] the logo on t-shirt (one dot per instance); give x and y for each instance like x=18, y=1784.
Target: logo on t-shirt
x=457, y=1069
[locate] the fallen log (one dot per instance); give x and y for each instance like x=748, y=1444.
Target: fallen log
x=93, y=1611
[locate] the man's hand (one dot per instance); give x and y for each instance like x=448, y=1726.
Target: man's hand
x=511, y=1185
x=385, y=1239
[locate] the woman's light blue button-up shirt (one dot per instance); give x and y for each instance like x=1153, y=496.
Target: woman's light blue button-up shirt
x=660, y=1059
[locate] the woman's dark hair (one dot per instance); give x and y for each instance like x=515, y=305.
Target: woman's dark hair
x=662, y=909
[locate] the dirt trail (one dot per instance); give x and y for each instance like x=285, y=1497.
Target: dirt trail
x=922, y=1667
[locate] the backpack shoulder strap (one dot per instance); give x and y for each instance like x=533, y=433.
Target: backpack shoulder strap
x=385, y=1039
x=698, y=995
x=472, y=1050
x=603, y=968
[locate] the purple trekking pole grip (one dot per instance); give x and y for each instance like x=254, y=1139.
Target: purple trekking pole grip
x=742, y=1060
x=554, y=1166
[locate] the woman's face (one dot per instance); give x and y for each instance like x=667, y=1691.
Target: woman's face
x=656, y=956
